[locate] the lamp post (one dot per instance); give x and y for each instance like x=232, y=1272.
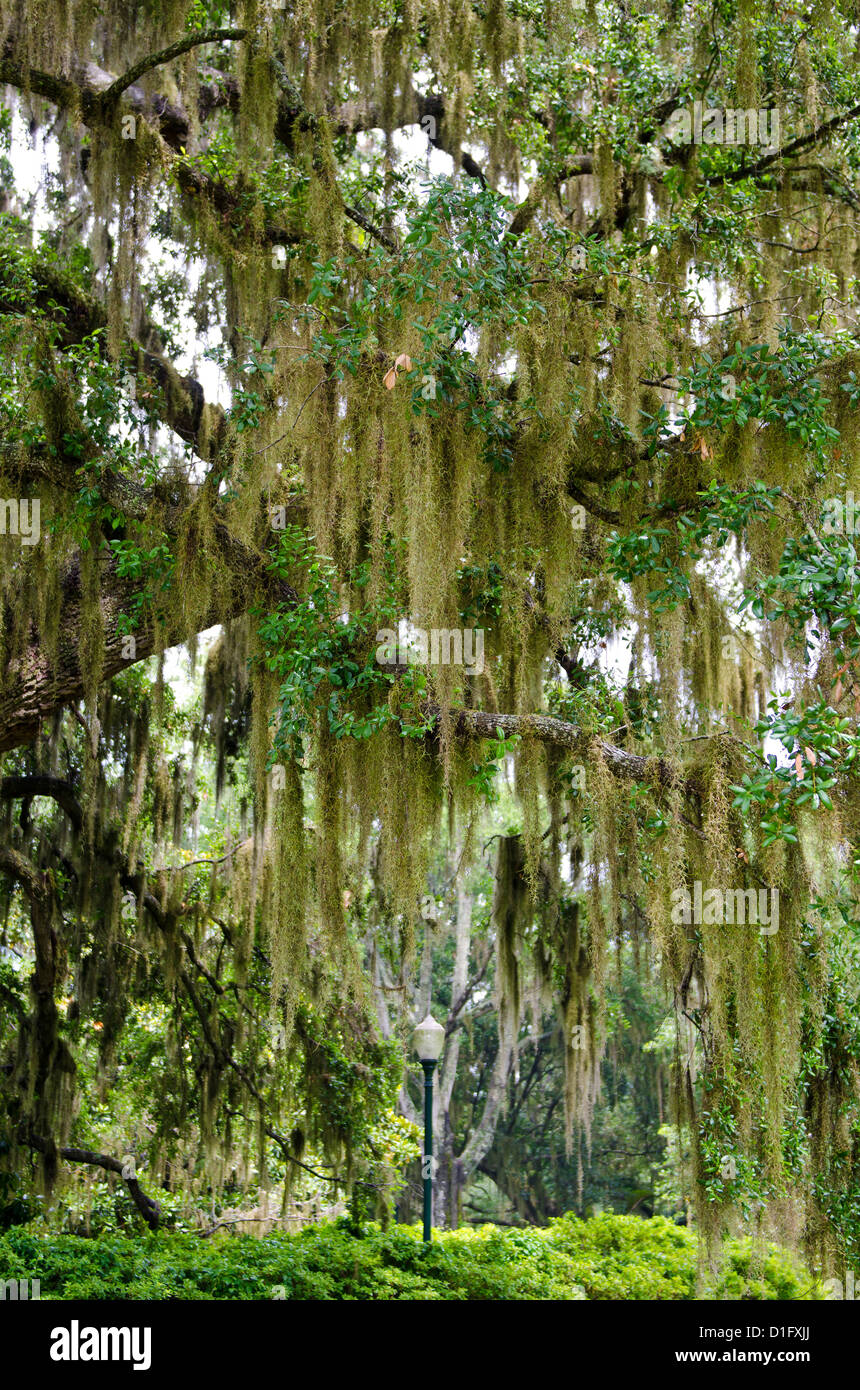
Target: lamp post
x=428, y=1040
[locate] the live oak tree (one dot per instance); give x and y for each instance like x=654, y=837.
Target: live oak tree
x=507, y=344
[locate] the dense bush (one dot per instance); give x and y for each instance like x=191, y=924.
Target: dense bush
x=607, y=1257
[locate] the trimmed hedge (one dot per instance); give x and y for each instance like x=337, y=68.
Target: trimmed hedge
x=606, y=1257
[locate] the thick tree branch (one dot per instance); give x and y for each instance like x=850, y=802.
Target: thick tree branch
x=472, y=723
x=148, y=1207
x=182, y=408
x=803, y=142
x=575, y=166
x=32, y=785
x=34, y=686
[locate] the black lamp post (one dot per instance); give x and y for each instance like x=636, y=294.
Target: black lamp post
x=428, y=1040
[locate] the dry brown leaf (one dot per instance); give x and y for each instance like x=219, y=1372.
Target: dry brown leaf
x=390, y=379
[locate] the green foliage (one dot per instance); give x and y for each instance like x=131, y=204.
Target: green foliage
x=314, y=648
x=518, y=409
x=607, y=1257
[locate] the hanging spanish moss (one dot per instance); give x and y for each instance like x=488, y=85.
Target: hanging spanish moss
x=477, y=433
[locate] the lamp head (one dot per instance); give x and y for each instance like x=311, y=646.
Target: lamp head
x=428, y=1039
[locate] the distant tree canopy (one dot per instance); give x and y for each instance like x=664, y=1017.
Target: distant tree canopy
x=530, y=321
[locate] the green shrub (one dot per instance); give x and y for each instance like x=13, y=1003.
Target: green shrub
x=606, y=1257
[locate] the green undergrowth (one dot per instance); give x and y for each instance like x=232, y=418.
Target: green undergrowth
x=606, y=1257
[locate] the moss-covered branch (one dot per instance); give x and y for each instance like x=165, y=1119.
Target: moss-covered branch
x=34, y=687
x=473, y=723
x=803, y=142
x=167, y=55
x=180, y=405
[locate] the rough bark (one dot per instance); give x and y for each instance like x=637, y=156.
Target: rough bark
x=34, y=688
x=474, y=723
